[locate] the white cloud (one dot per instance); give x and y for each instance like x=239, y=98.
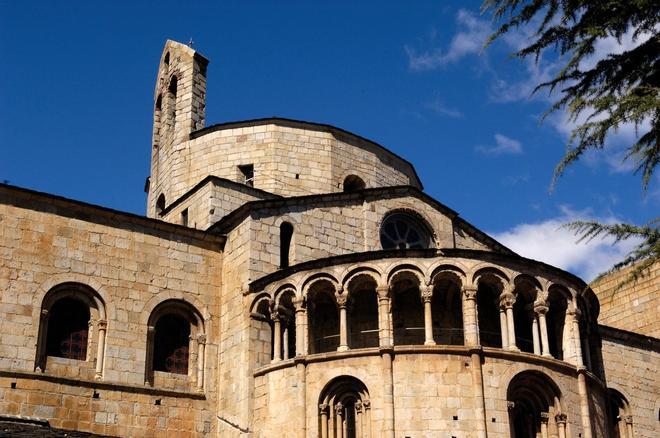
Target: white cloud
x=546, y=241
x=504, y=145
x=440, y=108
x=468, y=41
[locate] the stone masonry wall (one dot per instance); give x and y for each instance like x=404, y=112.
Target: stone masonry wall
x=633, y=371
x=634, y=307
x=133, y=264
x=287, y=161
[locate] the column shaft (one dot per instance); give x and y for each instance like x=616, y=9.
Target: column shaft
x=388, y=396
x=535, y=335
x=511, y=328
x=343, y=329
x=584, y=403
x=277, y=339
x=545, y=345
x=428, y=323
x=478, y=388
x=100, y=350
x=201, y=347
x=285, y=343
x=470, y=320
x=504, y=332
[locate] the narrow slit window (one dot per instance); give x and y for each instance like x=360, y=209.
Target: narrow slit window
x=184, y=217
x=286, y=233
x=247, y=174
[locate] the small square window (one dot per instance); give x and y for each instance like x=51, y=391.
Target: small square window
x=247, y=174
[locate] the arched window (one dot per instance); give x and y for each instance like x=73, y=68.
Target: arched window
x=160, y=204
x=363, y=312
x=353, y=183
x=534, y=403
x=286, y=233
x=262, y=335
x=345, y=409
x=407, y=310
x=488, y=292
x=166, y=60
x=72, y=326
x=556, y=319
x=524, y=317
x=404, y=231
x=171, y=344
x=157, y=120
x=323, y=318
x=68, y=321
x=621, y=420
x=176, y=343
x=447, y=311
x=171, y=103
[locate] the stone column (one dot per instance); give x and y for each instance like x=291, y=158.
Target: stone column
x=628, y=419
x=323, y=411
x=560, y=419
x=100, y=349
x=384, y=334
x=504, y=332
x=478, y=389
x=339, y=412
x=301, y=368
x=541, y=309
x=535, y=334
x=285, y=341
x=201, y=347
x=149, y=360
x=366, y=404
x=277, y=336
x=299, y=304
x=342, y=299
x=388, y=395
x=470, y=319
x=508, y=300
x=427, y=296
x=358, y=419
x=544, y=424
x=41, y=341
x=574, y=316
x=584, y=402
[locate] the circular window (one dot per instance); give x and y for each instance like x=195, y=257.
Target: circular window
x=403, y=231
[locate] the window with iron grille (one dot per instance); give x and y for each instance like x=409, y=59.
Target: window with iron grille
x=171, y=341
x=68, y=327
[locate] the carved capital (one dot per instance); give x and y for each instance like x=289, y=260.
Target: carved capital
x=560, y=418
x=510, y=405
x=201, y=339
x=383, y=291
x=44, y=313
x=470, y=292
x=102, y=324
x=358, y=407
x=540, y=307
x=324, y=409
x=628, y=419
x=426, y=293
x=300, y=303
x=274, y=315
x=151, y=330
x=545, y=417
x=339, y=409
x=507, y=300
x=342, y=298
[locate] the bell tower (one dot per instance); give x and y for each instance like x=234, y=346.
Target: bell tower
x=179, y=106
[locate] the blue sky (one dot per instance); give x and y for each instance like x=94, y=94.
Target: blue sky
x=76, y=97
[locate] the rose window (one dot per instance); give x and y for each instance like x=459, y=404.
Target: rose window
x=402, y=231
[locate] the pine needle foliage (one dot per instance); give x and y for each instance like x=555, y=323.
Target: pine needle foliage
x=600, y=97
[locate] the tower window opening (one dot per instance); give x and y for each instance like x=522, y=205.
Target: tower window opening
x=166, y=61
x=353, y=183
x=286, y=233
x=247, y=174
x=160, y=205
x=171, y=102
x=184, y=217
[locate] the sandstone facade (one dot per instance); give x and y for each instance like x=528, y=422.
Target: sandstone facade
x=291, y=279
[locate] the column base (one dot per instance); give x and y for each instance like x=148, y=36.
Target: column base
x=429, y=343
x=548, y=355
x=343, y=348
x=513, y=348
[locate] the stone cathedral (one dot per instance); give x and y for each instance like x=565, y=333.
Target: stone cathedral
x=292, y=279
